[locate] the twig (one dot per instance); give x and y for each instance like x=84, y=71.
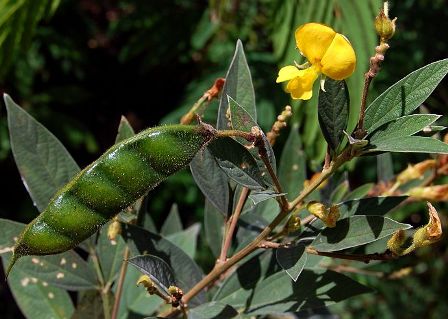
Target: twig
x=99, y=273
x=120, y=283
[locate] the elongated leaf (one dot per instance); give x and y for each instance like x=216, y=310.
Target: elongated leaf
x=173, y=223
x=403, y=126
x=359, y=192
x=158, y=270
x=333, y=108
x=66, y=270
x=370, y=205
x=43, y=162
x=406, y=95
x=238, y=86
x=278, y=293
x=186, y=271
x=36, y=298
x=292, y=169
x=213, y=227
x=384, y=167
x=110, y=254
x=339, y=192
x=125, y=130
x=258, y=197
x=237, y=162
x=410, y=144
x=187, y=239
x=212, y=310
x=356, y=231
x=292, y=260
x=211, y=179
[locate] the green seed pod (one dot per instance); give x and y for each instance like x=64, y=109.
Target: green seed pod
x=118, y=178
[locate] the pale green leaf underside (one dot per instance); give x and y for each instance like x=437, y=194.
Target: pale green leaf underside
x=410, y=144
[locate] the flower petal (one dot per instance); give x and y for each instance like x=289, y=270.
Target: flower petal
x=287, y=73
x=301, y=87
x=340, y=60
x=313, y=40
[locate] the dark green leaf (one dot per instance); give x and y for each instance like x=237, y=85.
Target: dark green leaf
x=238, y=86
x=333, y=108
x=406, y=95
x=292, y=169
x=91, y=305
x=356, y=231
x=384, y=167
x=36, y=298
x=187, y=239
x=186, y=271
x=213, y=227
x=370, y=205
x=43, y=162
x=212, y=181
x=158, y=270
x=339, y=192
x=292, y=260
x=237, y=162
x=402, y=126
x=67, y=270
x=110, y=254
x=260, y=196
x=212, y=310
x=125, y=130
x=410, y=144
x=173, y=223
x=278, y=293
x=359, y=192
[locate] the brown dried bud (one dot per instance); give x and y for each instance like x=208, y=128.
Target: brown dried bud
x=432, y=193
x=431, y=232
x=328, y=215
x=415, y=171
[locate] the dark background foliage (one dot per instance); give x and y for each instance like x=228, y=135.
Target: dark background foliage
x=93, y=61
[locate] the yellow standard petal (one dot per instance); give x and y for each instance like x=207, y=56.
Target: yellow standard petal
x=301, y=87
x=339, y=60
x=287, y=73
x=313, y=40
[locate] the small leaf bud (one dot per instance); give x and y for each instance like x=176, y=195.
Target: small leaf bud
x=384, y=26
x=395, y=243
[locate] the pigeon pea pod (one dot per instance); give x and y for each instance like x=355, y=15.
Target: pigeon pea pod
x=114, y=181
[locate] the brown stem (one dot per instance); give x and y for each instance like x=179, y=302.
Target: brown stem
x=124, y=267
x=232, y=225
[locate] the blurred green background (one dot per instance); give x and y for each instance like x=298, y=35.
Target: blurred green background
x=77, y=66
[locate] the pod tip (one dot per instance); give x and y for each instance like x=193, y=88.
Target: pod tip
x=12, y=261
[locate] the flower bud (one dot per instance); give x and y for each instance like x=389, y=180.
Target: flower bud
x=328, y=215
x=432, y=193
x=395, y=243
x=415, y=171
x=293, y=224
x=147, y=283
x=384, y=26
x=114, y=230
x=431, y=232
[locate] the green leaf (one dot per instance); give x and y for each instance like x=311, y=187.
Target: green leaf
x=43, y=162
x=384, y=167
x=370, y=205
x=339, y=192
x=36, y=298
x=125, y=130
x=186, y=271
x=292, y=260
x=213, y=228
x=402, y=126
x=237, y=162
x=211, y=179
x=333, y=108
x=212, y=310
x=90, y=305
x=110, y=254
x=186, y=240
x=356, y=231
x=292, y=169
x=67, y=270
x=155, y=268
x=173, y=223
x=409, y=144
x=406, y=95
x=359, y=192
x=278, y=293
x=239, y=86
x=260, y=196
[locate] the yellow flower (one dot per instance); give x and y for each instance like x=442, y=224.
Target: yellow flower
x=328, y=52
